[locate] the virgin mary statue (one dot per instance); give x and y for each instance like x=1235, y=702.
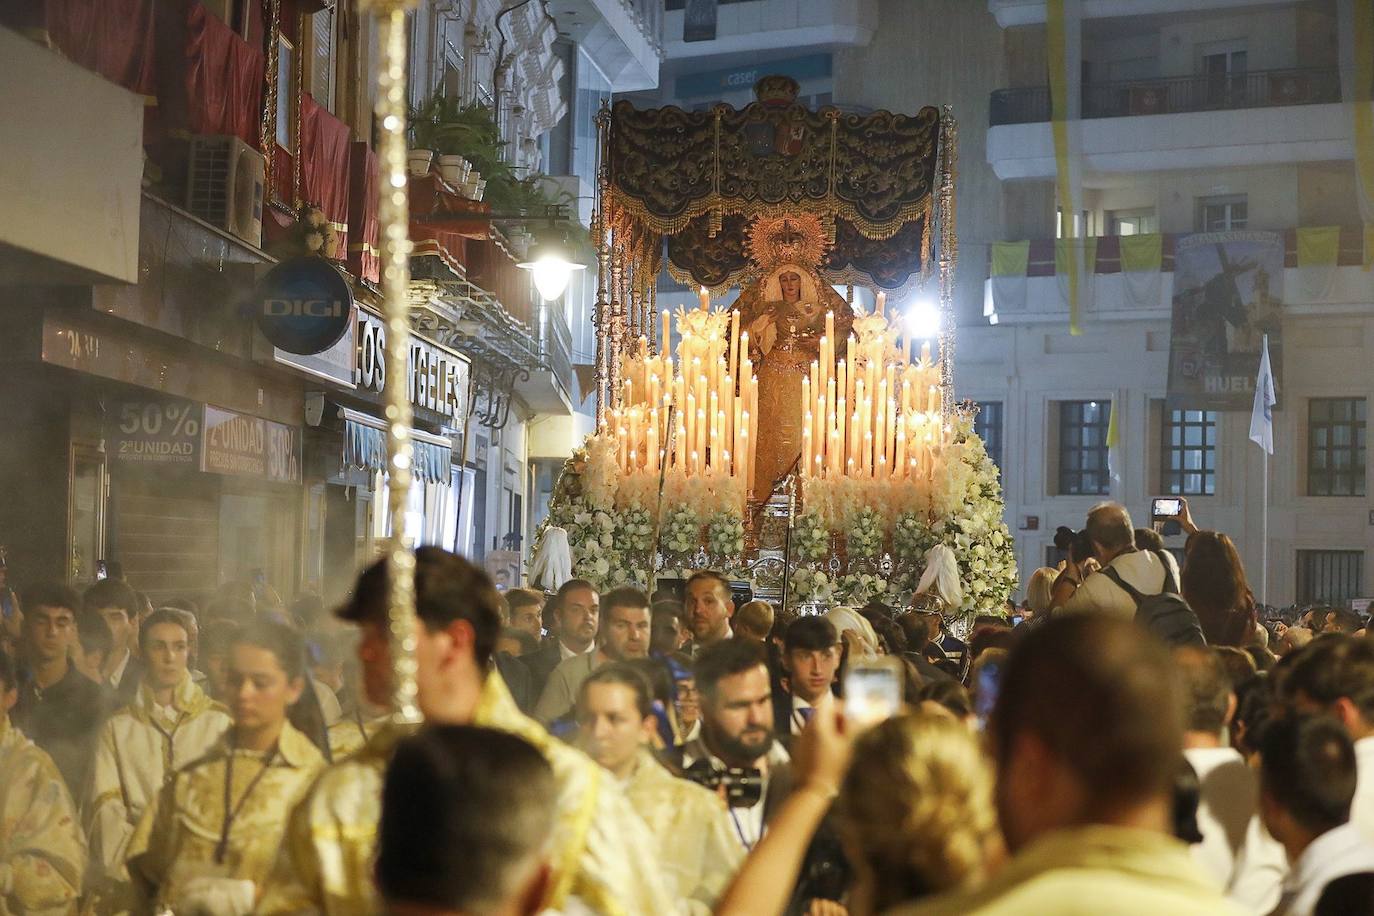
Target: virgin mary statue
x=785, y=318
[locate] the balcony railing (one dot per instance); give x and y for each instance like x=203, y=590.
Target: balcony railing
x=1172, y=95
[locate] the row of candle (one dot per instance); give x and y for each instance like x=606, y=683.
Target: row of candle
x=714, y=419
x=872, y=414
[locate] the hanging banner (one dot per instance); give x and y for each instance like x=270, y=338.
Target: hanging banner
x=1228, y=293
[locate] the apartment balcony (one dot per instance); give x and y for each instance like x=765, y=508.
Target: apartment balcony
x=1348, y=289
x=745, y=29
x=1011, y=13
x=1259, y=118
x=73, y=153
x=624, y=37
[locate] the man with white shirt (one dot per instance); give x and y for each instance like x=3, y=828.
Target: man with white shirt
x=737, y=728
x=1334, y=675
x=576, y=613
x=1307, y=779
x=119, y=604
x=1113, y=538
x=1242, y=859
x=709, y=607
x=624, y=635
x=810, y=657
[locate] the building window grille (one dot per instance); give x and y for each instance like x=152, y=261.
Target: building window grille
x=1335, y=447
x=1190, y=453
x=1329, y=577
x=1083, y=447
x=987, y=425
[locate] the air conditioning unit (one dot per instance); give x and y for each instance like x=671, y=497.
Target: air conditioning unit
x=226, y=186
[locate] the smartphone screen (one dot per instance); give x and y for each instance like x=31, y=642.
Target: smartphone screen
x=985, y=694
x=1167, y=508
x=872, y=690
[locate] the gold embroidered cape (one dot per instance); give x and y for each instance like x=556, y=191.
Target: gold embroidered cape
x=139, y=748
x=603, y=854
x=175, y=840
x=698, y=848
x=42, y=851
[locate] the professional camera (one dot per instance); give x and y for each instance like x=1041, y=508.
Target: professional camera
x=743, y=785
x=1076, y=544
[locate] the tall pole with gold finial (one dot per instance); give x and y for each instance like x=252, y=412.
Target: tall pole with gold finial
x=394, y=226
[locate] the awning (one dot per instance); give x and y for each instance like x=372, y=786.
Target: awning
x=365, y=447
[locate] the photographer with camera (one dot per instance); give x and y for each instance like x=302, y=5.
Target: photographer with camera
x=736, y=750
x=1127, y=580
x=738, y=755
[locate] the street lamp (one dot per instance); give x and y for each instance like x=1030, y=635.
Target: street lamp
x=548, y=260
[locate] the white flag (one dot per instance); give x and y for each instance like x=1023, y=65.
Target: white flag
x=1262, y=414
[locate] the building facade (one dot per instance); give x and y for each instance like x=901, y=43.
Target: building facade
x=161, y=173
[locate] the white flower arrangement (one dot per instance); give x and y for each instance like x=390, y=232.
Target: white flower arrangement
x=725, y=536
x=859, y=588
x=810, y=537
x=634, y=531
x=811, y=585
x=865, y=535
x=681, y=530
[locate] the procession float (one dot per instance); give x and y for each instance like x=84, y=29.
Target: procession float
x=791, y=436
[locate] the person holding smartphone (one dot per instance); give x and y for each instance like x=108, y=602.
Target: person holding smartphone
x=1112, y=538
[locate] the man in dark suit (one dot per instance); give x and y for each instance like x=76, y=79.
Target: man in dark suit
x=576, y=612
x=119, y=605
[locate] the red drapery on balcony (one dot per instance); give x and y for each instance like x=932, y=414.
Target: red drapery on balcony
x=115, y=38
x=362, y=213
x=490, y=267
x=325, y=143
x=437, y=221
x=224, y=79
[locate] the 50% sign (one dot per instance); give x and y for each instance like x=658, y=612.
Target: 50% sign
x=159, y=432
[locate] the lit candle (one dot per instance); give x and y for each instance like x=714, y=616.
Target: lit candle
x=882, y=301
x=806, y=444
x=899, y=463
x=806, y=391
x=704, y=298
x=734, y=342
x=690, y=421
x=842, y=427
x=746, y=462
x=699, y=446
x=665, y=336
x=713, y=455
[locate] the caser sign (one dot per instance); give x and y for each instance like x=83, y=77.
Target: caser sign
x=303, y=305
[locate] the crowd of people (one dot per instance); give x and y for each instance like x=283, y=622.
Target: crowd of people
x=1131, y=739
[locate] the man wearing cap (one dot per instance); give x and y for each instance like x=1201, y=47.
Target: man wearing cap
x=601, y=856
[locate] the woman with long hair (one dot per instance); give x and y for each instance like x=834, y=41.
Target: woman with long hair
x=1213, y=584
x=932, y=827
x=209, y=840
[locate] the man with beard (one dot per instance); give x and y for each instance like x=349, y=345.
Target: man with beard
x=737, y=734
x=737, y=729
x=576, y=613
